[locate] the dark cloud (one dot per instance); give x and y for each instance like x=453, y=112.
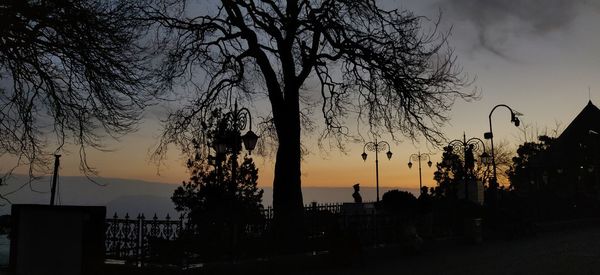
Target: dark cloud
x=498, y=21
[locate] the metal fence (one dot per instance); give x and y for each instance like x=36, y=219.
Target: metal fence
x=132, y=239
x=335, y=208
x=129, y=238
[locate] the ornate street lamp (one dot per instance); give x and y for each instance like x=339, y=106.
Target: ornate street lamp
x=376, y=147
x=418, y=157
x=486, y=158
x=514, y=118
x=250, y=139
x=235, y=121
x=229, y=139
x=220, y=145
x=467, y=147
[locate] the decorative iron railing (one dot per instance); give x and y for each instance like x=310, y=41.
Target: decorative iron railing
x=335, y=208
x=326, y=227
x=129, y=239
x=122, y=237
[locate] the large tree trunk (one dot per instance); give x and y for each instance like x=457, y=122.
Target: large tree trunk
x=287, y=192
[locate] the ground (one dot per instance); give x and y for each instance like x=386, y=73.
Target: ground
x=572, y=251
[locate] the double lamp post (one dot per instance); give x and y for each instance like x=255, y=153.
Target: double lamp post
x=375, y=146
x=417, y=157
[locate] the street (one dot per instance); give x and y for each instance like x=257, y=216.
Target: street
x=574, y=251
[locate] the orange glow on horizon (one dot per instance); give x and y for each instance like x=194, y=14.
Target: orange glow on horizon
x=340, y=171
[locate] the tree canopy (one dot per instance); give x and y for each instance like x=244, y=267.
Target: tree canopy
x=79, y=69
x=207, y=200
x=530, y=157
x=219, y=189
x=353, y=60
x=71, y=72
x=379, y=66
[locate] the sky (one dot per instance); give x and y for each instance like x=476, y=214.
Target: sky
x=541, y=57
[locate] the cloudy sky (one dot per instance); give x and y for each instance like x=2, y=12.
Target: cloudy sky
x=541, y=57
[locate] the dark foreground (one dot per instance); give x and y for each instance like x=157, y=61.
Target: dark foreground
x=572, y=251
x=560, y=251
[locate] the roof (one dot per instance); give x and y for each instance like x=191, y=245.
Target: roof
x=588, y=119
x=584, y=129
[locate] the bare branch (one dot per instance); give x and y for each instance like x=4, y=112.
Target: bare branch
x=77, y=70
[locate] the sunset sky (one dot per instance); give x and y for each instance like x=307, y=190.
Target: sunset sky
x=539, y=57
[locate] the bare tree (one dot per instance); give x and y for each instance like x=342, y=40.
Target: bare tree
x=377, y=66
x=503, y=152
x=531, y=132
x=70, y=72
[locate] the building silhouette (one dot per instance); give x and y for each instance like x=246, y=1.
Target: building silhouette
x=576, y=156
x=565, y=172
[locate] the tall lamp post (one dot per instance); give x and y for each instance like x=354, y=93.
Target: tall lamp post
x=418, y=157
x=376, y=147
x=228, y=139
x=467, y=147
x=514, y=118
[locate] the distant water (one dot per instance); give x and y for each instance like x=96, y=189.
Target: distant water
x=123, y=196
x=162, y=205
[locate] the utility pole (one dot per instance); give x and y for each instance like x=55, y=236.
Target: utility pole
x=54, y=178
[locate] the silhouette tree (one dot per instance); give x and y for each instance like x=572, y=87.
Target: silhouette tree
x=207, y=200
x=218, y=215
x=213, y=195
x=400, y=203
x=449, y=173
x=74, y=69
x=530, y=156
x=215, y=199
x=374, y=65
x=452, y=169
x=503, y=153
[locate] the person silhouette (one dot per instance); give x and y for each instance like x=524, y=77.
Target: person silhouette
x=356, y=195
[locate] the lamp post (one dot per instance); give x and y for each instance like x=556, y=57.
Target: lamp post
x=418, y=157
x=228, y=137
x=469, y=146
x=514, y=118
x=376, y=147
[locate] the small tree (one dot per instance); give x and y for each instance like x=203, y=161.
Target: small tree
x=215, y=198
x=400, y=203
x=529, y=154
x=449, y=172
x=207, y=200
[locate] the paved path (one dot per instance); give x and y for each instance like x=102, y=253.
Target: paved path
x=576, y=251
